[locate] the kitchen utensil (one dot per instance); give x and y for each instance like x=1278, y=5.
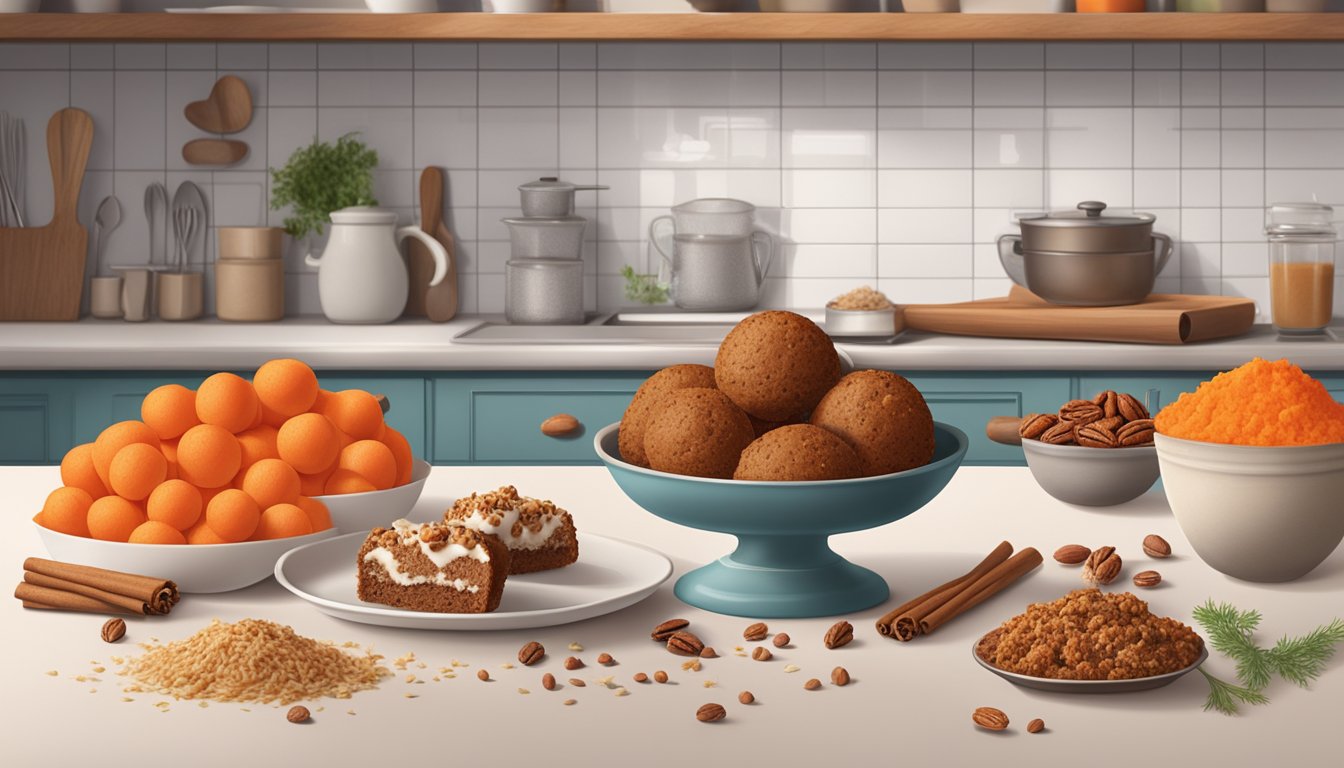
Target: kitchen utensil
x=1004, y=430
x=1082, y=258
x=931, y=6
x=106, y=218
x=1016, y=6
x=184, y=230
x=783, y=566
x=536, y=238
x=362, y=277
x=351, y=512
x=188, y=226
x=1301, y=266
x=1111, y=6
x=199, y=568
x=250, y=290
x=214, y=151
x=42, y=272
x=550, y=198
x=708, y=216
x=543, y=291
x=228, y=108
x=1220, y=6
x=1158, y=319
x=260, y=243
x=1092, y=477
x=718, y=273
x=439, y=302
x=1297, y=6
x=865, y=323
x=105, y=297
x=156, y=217
x=1258, y=513
x=610, y=575
x=402, y=6
x=135, y=292
x=181, y=295
x=1088, y=686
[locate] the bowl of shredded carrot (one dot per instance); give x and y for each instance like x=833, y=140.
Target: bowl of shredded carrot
x=1253, y=466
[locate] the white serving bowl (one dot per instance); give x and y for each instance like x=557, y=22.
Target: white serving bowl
x=351, y=512
x=194, y=567
x=1092, y=477
x=1267, y=514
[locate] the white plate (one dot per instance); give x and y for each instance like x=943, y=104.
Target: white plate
x=610, y=575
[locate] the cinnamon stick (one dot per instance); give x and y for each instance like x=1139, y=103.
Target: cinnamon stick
x=159, y=595
x=129, y=604
x=34, y=596
x=983, y=588
x=886, y=624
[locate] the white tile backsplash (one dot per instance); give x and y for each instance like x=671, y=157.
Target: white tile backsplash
x=894, y=164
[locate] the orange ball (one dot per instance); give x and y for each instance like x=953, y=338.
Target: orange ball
x=233, y=515
x=170, y=410
x=270, y=482
x=309, y=443
x=175, y=502
x=282, y=521
x=137, y=470
x=356, y=413
x=66, y=510
x=318, y=514
x=113, y=518
x=169, y=450
x=287, y=387
x=154, y=532
x=227, y=400
x=315, y=485
x=208, y=456
x=401, y=451
x=77, y=471
x=200, y=533
x=116, y=437
x=258, y=443
x=372, y=461
x=344, y=481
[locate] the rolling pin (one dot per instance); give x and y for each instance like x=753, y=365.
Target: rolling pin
x=1003, y=429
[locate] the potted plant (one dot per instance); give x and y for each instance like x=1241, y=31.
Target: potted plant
x=321, y=178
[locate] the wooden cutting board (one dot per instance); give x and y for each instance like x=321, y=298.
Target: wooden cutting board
x=438, y=303
x=1158, y=319
x=42, y=268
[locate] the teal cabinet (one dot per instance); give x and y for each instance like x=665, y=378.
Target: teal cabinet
x=1155, y=391
x=968, y=401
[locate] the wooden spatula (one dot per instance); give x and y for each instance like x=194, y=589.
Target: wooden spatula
x=438, y=303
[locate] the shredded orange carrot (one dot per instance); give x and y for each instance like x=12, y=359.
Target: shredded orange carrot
x=1260, y=403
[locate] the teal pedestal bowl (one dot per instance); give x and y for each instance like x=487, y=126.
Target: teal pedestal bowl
x=783, y=566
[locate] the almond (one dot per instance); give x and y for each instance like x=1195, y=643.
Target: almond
x=1072, y=554
x=1156, y=546
x=560, y=425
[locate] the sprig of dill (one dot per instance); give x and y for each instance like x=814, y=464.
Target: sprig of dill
x=642, y=288
x=1231, y=631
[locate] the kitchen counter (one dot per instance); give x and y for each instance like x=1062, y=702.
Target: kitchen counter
x=424, y=346
x=911, y=702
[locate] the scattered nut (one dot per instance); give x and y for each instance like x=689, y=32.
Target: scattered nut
x=482, y=675
x=113, y=630
x=708, y=652
x=1102, y=566
x=605, y=659
x=1156, y=546
x=1147, y=579
x=745, y=697
x=298, y=715
x=548, y=681
x=531, y=653
x=812, y=684
x=665, y=630
x=573, y=662
x=1072, y=554
x=640, y=677
x=791, y=668
x=756, y=631
x=571, y=702
x=990, y=719
x=840, y=633
x=710, y=713
x=690, y=666
x=780, y=640
x=840, y=676
x=761, y=653
x=575, y=647
x=1036, y=726
x=684, y=643
x=577, y=682
x=660, y=676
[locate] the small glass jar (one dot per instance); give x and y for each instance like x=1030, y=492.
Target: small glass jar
x=1301, y=266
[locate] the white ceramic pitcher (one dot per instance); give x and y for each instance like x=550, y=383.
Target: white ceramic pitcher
x=362, y=275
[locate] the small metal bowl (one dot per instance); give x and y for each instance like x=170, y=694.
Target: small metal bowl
x=1087, y=686
x=865, y=323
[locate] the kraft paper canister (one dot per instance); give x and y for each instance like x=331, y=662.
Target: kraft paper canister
x=250, y=290
x=253, y=243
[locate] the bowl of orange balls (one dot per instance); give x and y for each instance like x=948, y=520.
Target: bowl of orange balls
x=211, y=486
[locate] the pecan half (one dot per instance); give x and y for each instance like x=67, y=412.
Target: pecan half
x=839, y=635
x=710, y=713
x=1034, y=425
x=1094, y=436
x=297, y=714
x=1072, y=554
x=1147, y=579
x=531, y=653
x=1060, y=434
x=665, y=630
x=1080, y=412
x=1130, y=407
x=1112, y=423
x=756, y=631
x=1156, y=546
x=1102, y=566
x=1109, y=402
x=685, y=643
x=1136, y=433
x=1036, y=726
x=113, y=630
x=990, y=719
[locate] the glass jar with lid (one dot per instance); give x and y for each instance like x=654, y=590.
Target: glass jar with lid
x=1301, y=266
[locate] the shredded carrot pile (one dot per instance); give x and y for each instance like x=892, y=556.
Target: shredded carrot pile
x=1260, y=403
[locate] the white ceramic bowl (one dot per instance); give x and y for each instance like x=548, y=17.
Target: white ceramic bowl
x=354, y=512
x=194, y=567
x=1267, y=514
x=1092, y=477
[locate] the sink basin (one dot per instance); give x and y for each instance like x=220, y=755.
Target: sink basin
x=659, y=327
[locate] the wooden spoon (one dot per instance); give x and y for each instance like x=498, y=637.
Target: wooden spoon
x=438, y=303
x=214, y=151
x=1003, y=430
x=228, y=109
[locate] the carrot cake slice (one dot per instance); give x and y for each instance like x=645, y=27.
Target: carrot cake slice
x=540, y=536
x=434, y=567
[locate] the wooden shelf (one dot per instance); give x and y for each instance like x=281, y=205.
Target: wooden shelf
x=672, y=26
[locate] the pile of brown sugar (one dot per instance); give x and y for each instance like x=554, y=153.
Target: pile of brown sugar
x=863, y=298
x=1091, y=635
x=1260, y=403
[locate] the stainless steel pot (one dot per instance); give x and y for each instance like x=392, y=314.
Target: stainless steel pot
x=1084, y=258
x=551, y=198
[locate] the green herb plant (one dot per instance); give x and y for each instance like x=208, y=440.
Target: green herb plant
x=1298, y=660
x=642, y=288
x=321, y=178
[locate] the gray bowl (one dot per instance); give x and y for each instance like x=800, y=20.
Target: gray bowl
x=1092, y=477
x=540, y=238
x=1088, y=686
x=865, y=323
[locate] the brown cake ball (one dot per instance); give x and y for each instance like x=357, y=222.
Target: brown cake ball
x=798, y=452
x=641, y=408
x=776, y=365
x=697, y=431
x=761, y=426
x=882, y=417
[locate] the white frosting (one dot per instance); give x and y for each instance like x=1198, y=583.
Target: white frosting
x=410, y=533
x=385, y=558
x=479, y=520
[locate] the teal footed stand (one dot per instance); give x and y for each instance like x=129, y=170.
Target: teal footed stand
x=783, y=566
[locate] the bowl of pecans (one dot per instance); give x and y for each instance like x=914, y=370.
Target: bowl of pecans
x=1094, y=453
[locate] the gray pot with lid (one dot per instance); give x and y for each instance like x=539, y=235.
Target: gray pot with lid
x=551, y=198
x=1085, y=257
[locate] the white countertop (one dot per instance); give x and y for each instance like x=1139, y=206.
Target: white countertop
x=424, y=346
x=909, y=704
